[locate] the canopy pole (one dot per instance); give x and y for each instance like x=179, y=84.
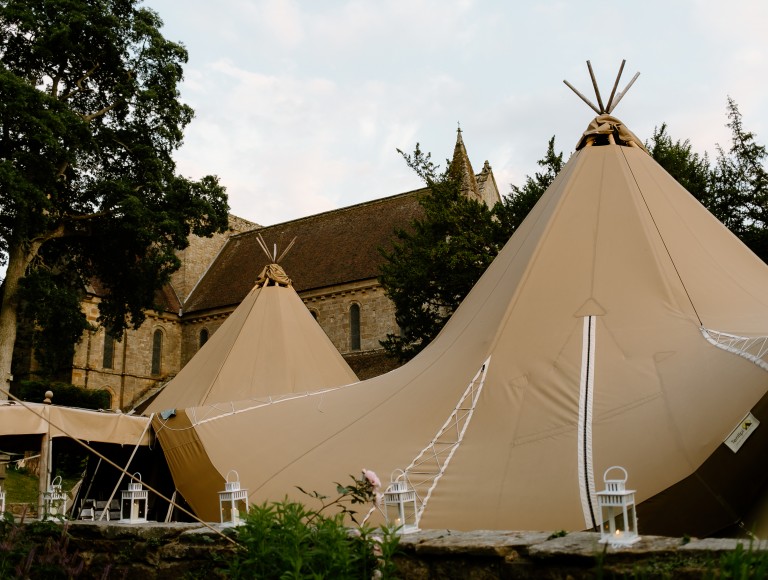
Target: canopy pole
x=44, y=471
x=44, y=466
x=90, y=485
x=124, y=471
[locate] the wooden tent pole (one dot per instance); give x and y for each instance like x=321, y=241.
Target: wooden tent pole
x=597, y=91
x=582, y=97
x=609, y=106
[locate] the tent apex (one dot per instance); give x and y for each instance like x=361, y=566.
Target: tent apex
x=615, y=97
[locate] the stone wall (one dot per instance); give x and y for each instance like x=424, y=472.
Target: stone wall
x=130, y=376
x=150, y=551
x=331, y=308
x=131, y=373
x=197, y=257
x=191, y=328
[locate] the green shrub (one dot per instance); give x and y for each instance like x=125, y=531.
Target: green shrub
x=36, y=550
x=741, y=564
x=290, y=540
x=63, y=394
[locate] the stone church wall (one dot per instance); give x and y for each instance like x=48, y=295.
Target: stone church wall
x=198, y=256
x=131, y=373
x=191, y=329
x=331, y=308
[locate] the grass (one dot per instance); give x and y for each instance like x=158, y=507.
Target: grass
x=22, y=487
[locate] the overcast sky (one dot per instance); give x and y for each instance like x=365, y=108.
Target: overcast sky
x=301, y=105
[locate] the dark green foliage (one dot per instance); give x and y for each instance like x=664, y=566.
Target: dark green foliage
x=63, y=394
x=290, y=540
x=741, y=564
x=36, y=550
x=690, y=169
x=89, y=119
x=434, y=264
x=739, y=191
x=57, y=320
x=734, y=189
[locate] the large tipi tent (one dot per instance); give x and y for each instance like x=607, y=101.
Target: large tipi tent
x=269, y=345
x=620, y=325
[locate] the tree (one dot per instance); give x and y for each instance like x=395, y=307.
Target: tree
x=734, y=190
x=738, y=194
x=690, y=169
x=433, y=265
x=89, y=118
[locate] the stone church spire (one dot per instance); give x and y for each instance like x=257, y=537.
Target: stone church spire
x=461, y=166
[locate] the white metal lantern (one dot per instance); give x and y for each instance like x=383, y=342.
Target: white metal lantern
x=133, y=507
x=400, y=504
x=54, y=500
x=233, y=502
x=2, y=501
x=617, y=511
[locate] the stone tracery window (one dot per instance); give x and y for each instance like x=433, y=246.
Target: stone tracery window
x=157, y=351
x=108, y=356
x=354, y=327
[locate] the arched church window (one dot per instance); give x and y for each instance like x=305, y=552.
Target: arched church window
x=157, y=351
x=354, y=327
x=203, y=337
x=108, y=356
x=314, y=314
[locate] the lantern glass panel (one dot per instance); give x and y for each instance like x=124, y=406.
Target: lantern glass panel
x=233, y=501
x=134, y=509
x=617, y=510
x=133, y=502
x=401, y=505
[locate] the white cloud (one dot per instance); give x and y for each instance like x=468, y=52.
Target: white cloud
x=301, y=105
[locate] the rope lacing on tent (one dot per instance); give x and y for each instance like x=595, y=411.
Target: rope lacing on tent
x=430, y=464
x=754, y=349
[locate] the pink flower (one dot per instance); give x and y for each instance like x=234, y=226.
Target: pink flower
x=372, y=478
x=377, y=541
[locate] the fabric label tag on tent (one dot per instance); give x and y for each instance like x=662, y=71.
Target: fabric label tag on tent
x=740, y=434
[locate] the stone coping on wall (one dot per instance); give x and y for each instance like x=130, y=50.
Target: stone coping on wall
x=155, y=550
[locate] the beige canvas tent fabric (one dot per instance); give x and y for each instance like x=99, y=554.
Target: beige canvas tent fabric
x=270, y=345
x=594, y=339
x=38, y=419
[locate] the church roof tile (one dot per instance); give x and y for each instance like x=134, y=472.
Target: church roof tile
x=334, y=247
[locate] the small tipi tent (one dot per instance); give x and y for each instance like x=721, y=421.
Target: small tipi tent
x=621, y=324
x=270, y=345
